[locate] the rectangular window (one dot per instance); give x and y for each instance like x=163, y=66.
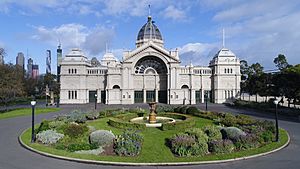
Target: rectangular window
x=225, y=70
x=75, y=71
x=69, y=93
x=231, y=93
x=72, y=94
x=225, y=94
x=75, y=94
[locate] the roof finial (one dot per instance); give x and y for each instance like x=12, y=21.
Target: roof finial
x=106, y=47
x=223, y=38
x=149, y=10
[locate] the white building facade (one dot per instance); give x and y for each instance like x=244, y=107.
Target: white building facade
x=148, y=73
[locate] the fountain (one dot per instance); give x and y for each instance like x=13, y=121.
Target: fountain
x=153, y=120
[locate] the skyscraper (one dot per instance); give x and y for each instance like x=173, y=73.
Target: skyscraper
x=35, y=71
x=29, y=67
x=20, y=60
x=59, y=58
x=48, y=61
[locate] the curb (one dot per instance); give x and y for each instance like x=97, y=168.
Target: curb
x=147, y=164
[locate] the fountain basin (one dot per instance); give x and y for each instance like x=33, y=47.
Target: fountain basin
x=159, y=121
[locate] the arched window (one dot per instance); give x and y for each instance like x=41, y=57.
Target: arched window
x=230, y=70
x=225, y=70
x=116, y=87
x=184, y=87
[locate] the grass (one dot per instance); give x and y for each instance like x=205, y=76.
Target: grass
x=26, y=112
x=154, y=148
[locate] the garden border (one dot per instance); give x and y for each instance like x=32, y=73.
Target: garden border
x=147, y=164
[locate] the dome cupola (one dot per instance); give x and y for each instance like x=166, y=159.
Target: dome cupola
x=149, y=32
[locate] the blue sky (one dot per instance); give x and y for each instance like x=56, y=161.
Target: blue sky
x=256, y=31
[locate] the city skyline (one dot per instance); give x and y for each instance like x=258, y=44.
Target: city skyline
x=255, y=31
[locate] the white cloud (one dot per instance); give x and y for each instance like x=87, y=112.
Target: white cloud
x=197, y=53
x=174, y=13
x=92, y=40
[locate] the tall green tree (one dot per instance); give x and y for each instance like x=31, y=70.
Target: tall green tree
x=11, y=82
x=281, y=62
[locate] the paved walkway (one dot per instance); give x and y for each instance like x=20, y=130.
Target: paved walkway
x=13, y=156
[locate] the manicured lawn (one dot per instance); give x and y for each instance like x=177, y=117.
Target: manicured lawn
x=25, y=112
x=154, y=148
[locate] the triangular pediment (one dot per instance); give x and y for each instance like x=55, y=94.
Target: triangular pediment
x=150, y=48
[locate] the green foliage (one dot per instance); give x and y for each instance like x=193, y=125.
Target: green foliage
x=102, y=137
x=192, y=110
x=92, y=115
x=49, y=137
x=76, y=116
x=213, y=132
x=242, y=119
x=75, y=130
x=164, y=108
x=248, y=141
x=229, y=120
x=187, y=122
x=232, y=133
x=267, y=136
x=221, y=146
x=43, y=126
x=191, y=143
x=76, y=147
x=122, y=121
x=56, y=124
x=129, y=143
x=198, y=133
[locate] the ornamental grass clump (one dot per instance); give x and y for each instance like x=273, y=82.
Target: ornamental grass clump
x=129, y=143
x=102, y=138
x=92, y=115
x=49, y=137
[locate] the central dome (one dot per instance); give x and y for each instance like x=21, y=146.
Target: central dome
x=149, y=32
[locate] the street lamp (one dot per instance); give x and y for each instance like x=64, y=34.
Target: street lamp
x=33, y=102
x=206, y=97
x=95, y=101
x=276, y=118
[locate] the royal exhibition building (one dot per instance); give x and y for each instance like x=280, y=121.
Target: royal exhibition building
x=148, y=73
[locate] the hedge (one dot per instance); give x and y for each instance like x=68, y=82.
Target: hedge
x=187, y=122
x=122, y=121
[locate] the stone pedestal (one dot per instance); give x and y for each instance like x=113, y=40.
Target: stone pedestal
x=152, y=115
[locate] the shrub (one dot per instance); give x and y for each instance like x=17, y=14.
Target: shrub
x=49, y=137
x=79, y=146
x=232, y=133
x=56, y=124
x=209, y=115
x=187, y=122
x=267, y=125
x=43, y=126
x=92, y=115
x=76, y=116
x=183, y=109
x=120, y=123
x=129, y=143
x=213, y=132
x=198, y=133
x=75, y=130
x=221, y=146
x=192, y=110
x=165, y=108
x=244, y=119
x=102, y=137
x=229, y=120
x=266, y=136
x=247, y=142
x=187, y=144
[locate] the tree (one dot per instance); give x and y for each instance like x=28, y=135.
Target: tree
x=281, y=62
x=11, y=82
x=253, y=81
